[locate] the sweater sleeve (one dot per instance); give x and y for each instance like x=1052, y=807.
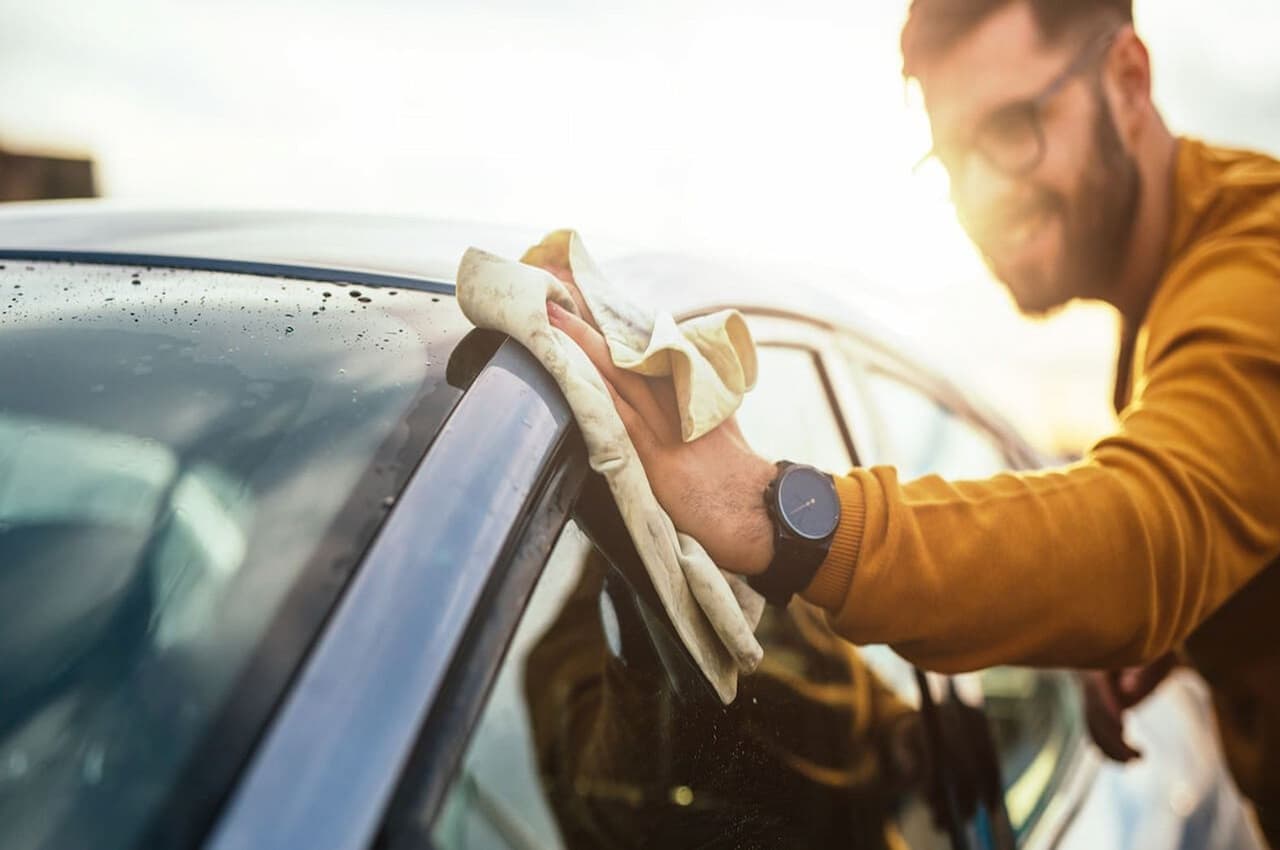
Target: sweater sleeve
x=1110, y=561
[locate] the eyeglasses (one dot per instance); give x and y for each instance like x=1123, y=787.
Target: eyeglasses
x=1012, y=137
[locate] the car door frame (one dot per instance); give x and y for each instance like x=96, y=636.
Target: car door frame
x=442, y=743
x=1083, y=763
x=386, y=680
x=785, y=329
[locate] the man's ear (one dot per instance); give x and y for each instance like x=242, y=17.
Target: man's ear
x=1128, y=80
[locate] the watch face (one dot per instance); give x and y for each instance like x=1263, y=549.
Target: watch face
x=808, y=503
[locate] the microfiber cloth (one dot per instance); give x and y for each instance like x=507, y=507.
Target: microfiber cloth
x=711, y=363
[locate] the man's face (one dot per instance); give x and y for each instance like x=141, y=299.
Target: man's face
x=1061, y=230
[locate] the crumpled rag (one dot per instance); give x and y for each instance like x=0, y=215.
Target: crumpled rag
x=710, y=361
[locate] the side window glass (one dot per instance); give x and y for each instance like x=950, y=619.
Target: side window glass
x=588, y=741
x=788, y=416
x=923, y=437
x=496, y=799
x=1035, y=722
x=1033, y=714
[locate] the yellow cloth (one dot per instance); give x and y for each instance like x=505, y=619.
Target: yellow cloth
x=710, y=361
x=1130, y=552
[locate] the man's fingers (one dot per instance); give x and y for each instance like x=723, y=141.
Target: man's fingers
x=634, y=389
x=665, y=395
x=662, y=392
x=1107, y=690
x=581, y=303
x=642, y=436
x=1105, y=717
x=1109, y=736
x=1136, y=684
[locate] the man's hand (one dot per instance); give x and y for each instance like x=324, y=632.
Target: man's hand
x=713, y=488
x=1109, y=694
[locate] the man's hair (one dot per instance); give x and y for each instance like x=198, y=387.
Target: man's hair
x=935, y=26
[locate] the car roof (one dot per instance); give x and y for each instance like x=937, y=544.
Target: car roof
x=390, y=244
x=427, y=250
x=423, y=248
x=393, y=245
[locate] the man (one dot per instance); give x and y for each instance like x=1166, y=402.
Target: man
x=1164, y=538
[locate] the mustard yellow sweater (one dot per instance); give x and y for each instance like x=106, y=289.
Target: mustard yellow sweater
x=1127, y=554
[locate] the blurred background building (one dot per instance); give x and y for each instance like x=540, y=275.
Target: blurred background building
x=770, y=134
x=40, y=177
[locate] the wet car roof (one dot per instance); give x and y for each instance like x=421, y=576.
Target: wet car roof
x=408, y=246
x=422, y=252
x=392, y=245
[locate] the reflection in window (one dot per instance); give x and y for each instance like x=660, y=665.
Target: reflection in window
x=1033, y=713
x=788, y=416
x=497, y=800
x=923, y=437
x=174, y=447
x=588, y=740
x=1033, y=716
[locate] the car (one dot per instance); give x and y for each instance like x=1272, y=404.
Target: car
x=292, y=556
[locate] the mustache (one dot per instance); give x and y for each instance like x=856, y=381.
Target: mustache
x=988, y=223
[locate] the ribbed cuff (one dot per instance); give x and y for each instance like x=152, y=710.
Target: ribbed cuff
x=830, y=584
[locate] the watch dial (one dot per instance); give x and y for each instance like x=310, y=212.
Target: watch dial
x=808, y=502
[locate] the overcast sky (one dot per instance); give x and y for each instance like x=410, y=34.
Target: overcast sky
x=730, y=128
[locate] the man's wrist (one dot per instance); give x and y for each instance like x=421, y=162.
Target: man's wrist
x=758, y=531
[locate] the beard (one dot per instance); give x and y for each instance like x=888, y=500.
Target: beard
x=1097, y=226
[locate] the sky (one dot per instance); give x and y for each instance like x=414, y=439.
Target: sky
x=756, y=132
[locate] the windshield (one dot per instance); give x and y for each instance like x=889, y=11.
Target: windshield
x=191, y=463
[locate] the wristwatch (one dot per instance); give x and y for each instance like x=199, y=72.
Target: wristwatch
x=805, y=510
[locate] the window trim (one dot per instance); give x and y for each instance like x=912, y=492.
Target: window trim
x=254, y=268
x=1018, y=454
x=780, y=330
x=423, y=785
x=363, y=693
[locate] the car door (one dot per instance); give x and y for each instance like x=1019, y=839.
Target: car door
x=598, y=731
x=925, y=426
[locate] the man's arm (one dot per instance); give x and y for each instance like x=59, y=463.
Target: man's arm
x=1109, y=562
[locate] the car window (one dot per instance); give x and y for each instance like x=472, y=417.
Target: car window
x=788, y=416
x=185, y=459
x=1033, y=713
x=594, y=737
x=497, y=799
x=1035, y=724
x=922, y=436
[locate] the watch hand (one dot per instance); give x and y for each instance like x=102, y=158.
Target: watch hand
x=798, y=508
